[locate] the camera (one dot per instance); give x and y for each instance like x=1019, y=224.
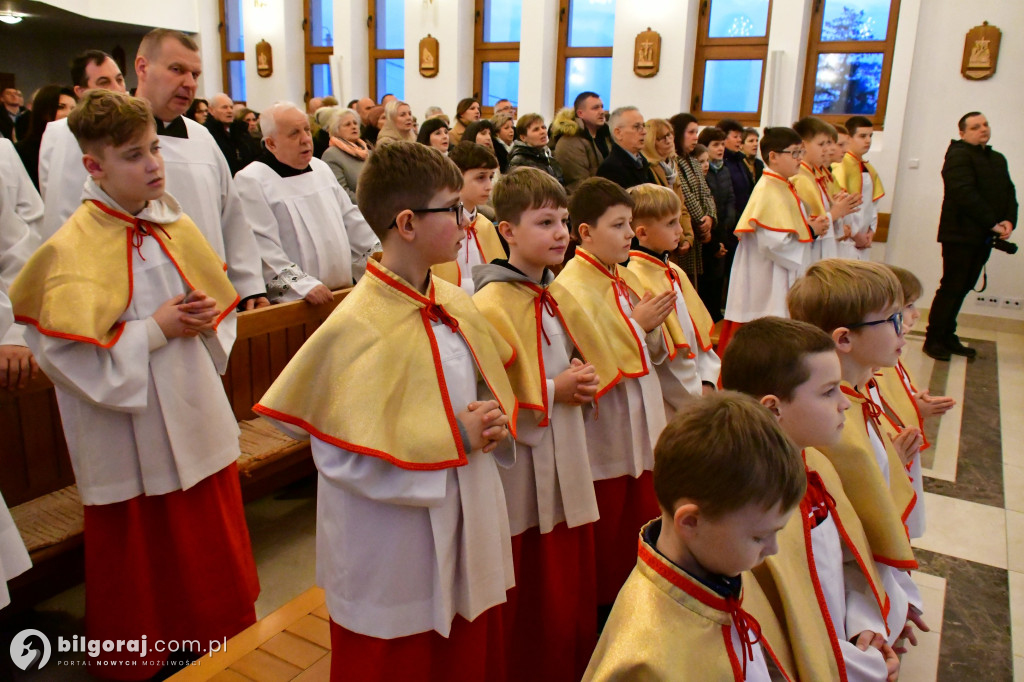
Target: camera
x=1002, y=245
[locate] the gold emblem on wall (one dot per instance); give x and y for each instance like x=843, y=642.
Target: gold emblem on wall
x=428, y=56
x=981, y=52
x=264, y=59
x=647, y=53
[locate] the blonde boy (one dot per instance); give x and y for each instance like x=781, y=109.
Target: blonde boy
x=775, y=238
x=593, y=289
x=859, y=304
x=135, y=347
x=478, y=166
x=831, y=594
x=727, y=480
x=404, y=395
x=859, y=178
x=550, y=616
x=692, y=367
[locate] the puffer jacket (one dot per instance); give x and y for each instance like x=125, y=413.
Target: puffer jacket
x=577, y=152
x=523, y=154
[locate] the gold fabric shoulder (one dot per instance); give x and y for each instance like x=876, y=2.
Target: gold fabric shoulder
x=809, y=191
x=774, y=206
x=654, y=276
x=849, y=176
x=490, y=246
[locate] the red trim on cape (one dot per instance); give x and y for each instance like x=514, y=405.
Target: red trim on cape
x=734, y=662
x=25, y=319
x=746, y=229
x=449, y=413
x=673, y=348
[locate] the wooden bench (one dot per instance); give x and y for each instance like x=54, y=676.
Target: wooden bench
x=292, y=643
x=38, y=483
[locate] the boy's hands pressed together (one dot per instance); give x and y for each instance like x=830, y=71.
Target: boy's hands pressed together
x=876, y=641
x=863, y=240
x=186, y=315
x=930, y=406
x=485, y=424
x=819, y=224
x=652, y=310
x=17, y=366
x=576, y=385
x=908, y=443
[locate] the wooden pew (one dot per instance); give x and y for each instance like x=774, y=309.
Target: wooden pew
x=38, y=483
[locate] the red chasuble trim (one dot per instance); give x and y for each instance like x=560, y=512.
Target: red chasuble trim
x=670, y=274
x=804, y=236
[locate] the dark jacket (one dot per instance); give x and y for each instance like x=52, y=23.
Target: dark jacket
x=978, y=193
x=624, y=170
x=720, y=183
x=16, y=129
x=523, y=154
x=742, y=182
x=238, y=151
x=578, y=152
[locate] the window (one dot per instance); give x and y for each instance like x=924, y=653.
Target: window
x=232, y=49
x=387, y=48
x=496, y=52
x=585, y=34
x=849, y=58
x=732, y=53
x=318, y=27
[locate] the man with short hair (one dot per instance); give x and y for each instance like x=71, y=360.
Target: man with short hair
x=735, y=163
x=580, y=145
x=625, y=165
x=504, y=106
x=14, y=119
x=312, y=238
x=60, y=157
x=387, y=98
x=313, y=104
x=979, y=210
x=228, y=132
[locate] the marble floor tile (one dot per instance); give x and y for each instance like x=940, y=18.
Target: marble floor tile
x=967, y=530
x=1013, y=485
x=943, y=461
x=1017, y=612
x=934, y=600
x=1015, y=541
x=921, y=663
x=1018, y=669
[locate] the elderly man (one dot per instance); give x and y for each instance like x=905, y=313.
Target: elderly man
x=312, y=237
x=228, y=133
x=979, y=210
x=583, y=144
x=60, y=158
x=625, y=165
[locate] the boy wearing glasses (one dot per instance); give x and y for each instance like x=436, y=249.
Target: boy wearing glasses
x=860, y=304
x=481, y=246
x=775, y=237
x=404, y=395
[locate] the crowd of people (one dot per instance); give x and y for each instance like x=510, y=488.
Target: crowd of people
x=522, y=388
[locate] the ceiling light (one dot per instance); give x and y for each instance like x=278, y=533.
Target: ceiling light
x=9, y=17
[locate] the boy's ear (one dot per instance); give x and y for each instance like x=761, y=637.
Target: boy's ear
x=772, y=403
x=505, y=230
x=843, y=338
x=584, y=232
x=640, y=231
x=685, y=517
x=93, y=166
x=404, y=225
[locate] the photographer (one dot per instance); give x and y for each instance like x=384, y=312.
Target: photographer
x=979, y=211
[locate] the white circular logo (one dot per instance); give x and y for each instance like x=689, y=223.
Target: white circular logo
x=30, y=650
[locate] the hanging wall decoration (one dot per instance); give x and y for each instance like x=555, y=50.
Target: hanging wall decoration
x=981, y=52
x=264, y=59
x=647, y=53
x=428, y=56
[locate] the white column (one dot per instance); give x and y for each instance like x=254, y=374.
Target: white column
x=787, y=43
x=668, y=92
x=208, y=37
x=538, y=52
x=350, y=68
x=279, y=22
x=451, y=22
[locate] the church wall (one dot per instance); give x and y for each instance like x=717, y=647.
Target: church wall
x=51, y=54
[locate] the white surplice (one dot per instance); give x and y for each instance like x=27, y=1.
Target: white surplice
x=401, y=552
x=147, y=415
x=767, y=264
x=17, y=243
x=309, y=232
x=24, y=198
x=863, y=221
x=196, y=174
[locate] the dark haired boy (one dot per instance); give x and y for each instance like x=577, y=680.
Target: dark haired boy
x=478, y=165
x=727, y=481
x=593, y=287
x=550, y=615
x=775, y=238
x=404, y=395
x=859, y=178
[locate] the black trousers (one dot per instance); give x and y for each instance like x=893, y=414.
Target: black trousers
x=961, y=267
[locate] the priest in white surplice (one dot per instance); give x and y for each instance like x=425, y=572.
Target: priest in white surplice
x=17, y=242
x=311, y=236
x=167, y=66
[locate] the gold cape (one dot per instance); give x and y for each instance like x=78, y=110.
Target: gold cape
x=848, y=175
x=658, y=276
x=515, y=309
x=587, y=295
x=807, y=188
x=790, y=580
x=882, y=508
x=898, y=400
x=774, y=205
x=79, y=282
x=370, y=379
x=667, y=626
x=485, y=236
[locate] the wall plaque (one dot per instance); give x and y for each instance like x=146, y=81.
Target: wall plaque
x=647, y=53
x=264, y=59
x=981, y=52
x=428, y=56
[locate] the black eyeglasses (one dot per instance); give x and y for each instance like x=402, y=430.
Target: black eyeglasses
x=896, y=319
x=456, y=209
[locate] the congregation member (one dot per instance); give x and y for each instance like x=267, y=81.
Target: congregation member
x=581, y=139
x=858, y=177
x=14, y=118
x=660, y=152
x=715, y=253
x=700, y=204
x=346, y=153
x=312, y=238
x=503, y=129
x=434, y=133
x=199, y=111
x=736, y=162
x=318, y=125
x=530, y=150
x=754, y=165
x=625, y=164
x=466, y=111
x=228, y=133
x=50, y=103
x=399, y=124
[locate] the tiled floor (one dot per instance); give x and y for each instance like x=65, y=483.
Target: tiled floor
x=972, y=556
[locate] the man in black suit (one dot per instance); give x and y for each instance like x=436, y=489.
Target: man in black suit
x=625, y=165
x=14, y=119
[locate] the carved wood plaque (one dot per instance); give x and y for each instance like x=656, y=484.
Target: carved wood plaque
x=647, y=53
x=981, y=52
x=428, y=56
x=264, y=59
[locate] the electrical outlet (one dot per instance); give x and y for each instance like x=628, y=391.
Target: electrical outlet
x=1012, y=303
x=981, y=299
x=992, y=301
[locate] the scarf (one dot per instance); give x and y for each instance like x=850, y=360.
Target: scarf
x=359, y=150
